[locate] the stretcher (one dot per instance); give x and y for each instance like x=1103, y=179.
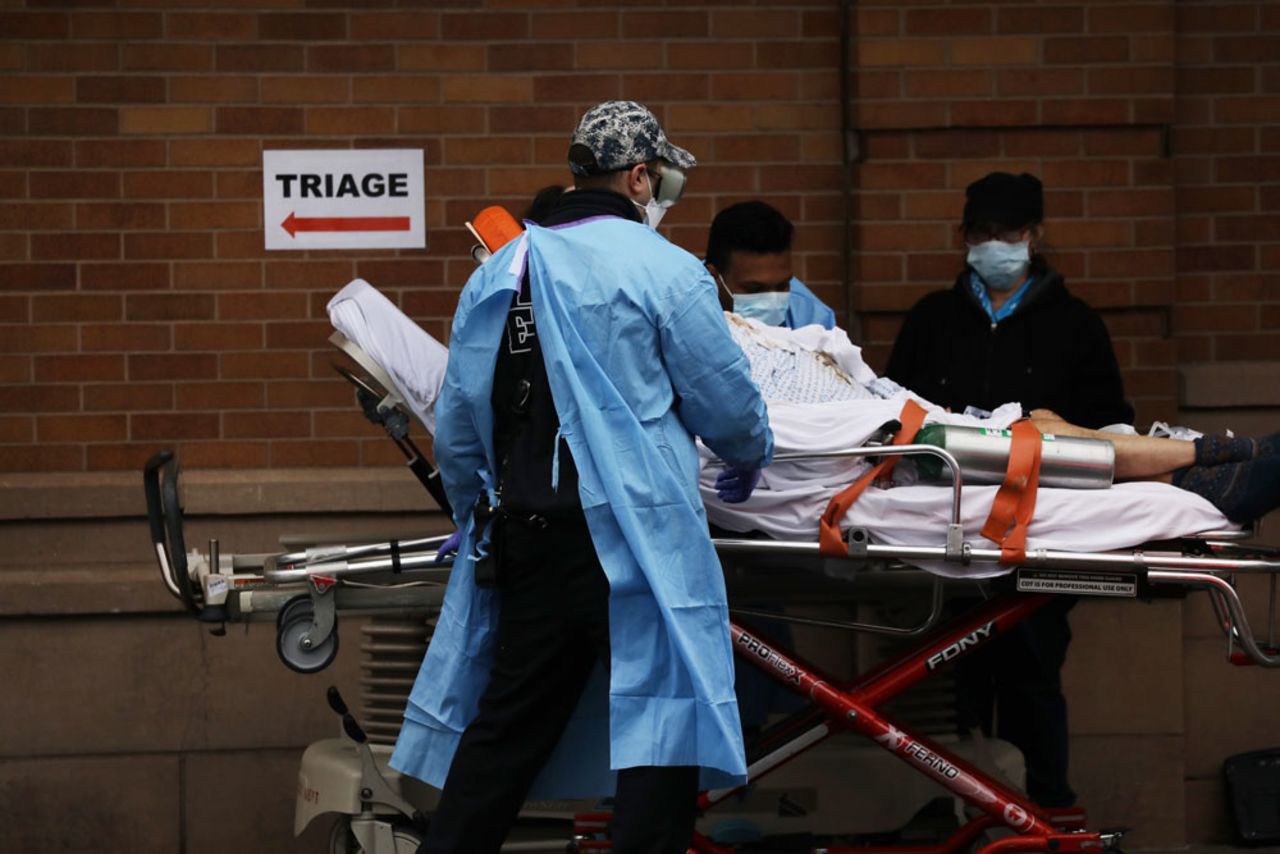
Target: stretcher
x=399, y=584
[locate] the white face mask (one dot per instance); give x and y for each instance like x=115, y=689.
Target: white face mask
x=654, y=210
x=1000, y=265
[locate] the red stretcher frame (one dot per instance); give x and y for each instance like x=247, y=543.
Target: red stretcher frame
x=854, y=707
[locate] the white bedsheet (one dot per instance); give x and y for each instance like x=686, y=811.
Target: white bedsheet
x=792, y=495
x=415, y=360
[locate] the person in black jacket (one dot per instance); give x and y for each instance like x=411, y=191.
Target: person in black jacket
x=1009, y=329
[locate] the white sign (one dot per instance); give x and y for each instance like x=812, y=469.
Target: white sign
x=344, y=199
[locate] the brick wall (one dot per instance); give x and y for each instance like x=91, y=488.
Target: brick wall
x=138, y=308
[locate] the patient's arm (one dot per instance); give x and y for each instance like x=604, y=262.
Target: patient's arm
x=1137, y=457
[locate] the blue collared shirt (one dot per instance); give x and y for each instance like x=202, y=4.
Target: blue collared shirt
x=1010, y=305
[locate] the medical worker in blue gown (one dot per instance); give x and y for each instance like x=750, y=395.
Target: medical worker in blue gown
x=749, y=253
x=583, y=648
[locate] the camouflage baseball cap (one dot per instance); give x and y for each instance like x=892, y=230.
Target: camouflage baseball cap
x=618, y=134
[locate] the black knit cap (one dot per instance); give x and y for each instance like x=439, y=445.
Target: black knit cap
x=1009, y=200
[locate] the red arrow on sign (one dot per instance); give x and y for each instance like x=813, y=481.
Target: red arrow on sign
x=294, y=224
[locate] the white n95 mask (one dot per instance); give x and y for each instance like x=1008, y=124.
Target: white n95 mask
x=1000, y=265
x=769, y=307
x=654, y=210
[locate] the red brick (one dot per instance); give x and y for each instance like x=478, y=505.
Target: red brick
x=1247, y=169
x=220, y=396
x=1086, y=173
x=81, y=428
x=1037, y=19
x=239, y=244
x=1240, y=49
x=282, y=274
x=441, y=57
x=1130, y=18
x=196, y=216
x=116, y=25
x=690, y=87
x=949, y=22
x=174, y=426
x=1113, y=141
x=350, y=121
x=34, y=25
x=222, y=89
x=171, y=366
x=267, y=425
x=35, y=217
x=1211, y=140
x=124, y=277
x=484, y=26
x=39, y=398
x=220, y=152
x=119, y=90
x=694, y=25
x=139, y=307
x=43, y=338
x=1257, y=110
x=96, y=368
x=127, y=397
x=309, y=395
x=259, y=57
x=39, y=277
x=710, y=55
x=314, y=454
x=577, y=25
x=728, y=23
x=274, y=365
x=405, y=273
x=211, y=26
x=221, y=337
x=1214, y=199
x=957, y=144
x=993, y=113
x=75, y=246
x=28, y=89
x=574, y=88
x=395, y=90
x=394, y=26
x=15, y=309
x=18, y=429
x=167, y=57
x=535, y=56
x=85, y=57
x=93, y=153
x=959, y=83
x=306, y=89
x=475, y=89
x=124, y=337
x=900, y=52
x=46, y=458
x=1068, y=50
x=1217, y=17
x=72, y=121
x=757, y=147
x=339, y=424
x=305, y=26
x=1213, y=258
x=330, y=58
x=261, y=305
x=259, y=120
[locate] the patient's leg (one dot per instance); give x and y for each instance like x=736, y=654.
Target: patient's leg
x=1137, y=457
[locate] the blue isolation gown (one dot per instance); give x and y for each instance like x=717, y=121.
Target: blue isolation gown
x=804, y=308
x=639, y=360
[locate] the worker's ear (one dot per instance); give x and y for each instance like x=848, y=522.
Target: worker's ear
x=1036, y=238
x=637, y=181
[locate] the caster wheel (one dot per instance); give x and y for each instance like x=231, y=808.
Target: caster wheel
x=294, y=624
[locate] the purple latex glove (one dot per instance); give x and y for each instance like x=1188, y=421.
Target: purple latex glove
x=449, y=547
x=734, y=486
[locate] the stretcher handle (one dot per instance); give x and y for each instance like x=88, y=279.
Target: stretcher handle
x=164, y=515
x=1230, y=597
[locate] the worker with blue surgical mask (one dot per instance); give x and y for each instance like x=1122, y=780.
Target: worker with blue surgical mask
x=749, y=255
x=1009, y=330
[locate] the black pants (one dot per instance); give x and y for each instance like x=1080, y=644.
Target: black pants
x=553, y=625
x=1017, y=680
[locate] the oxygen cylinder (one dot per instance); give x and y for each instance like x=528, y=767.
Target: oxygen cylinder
x=1067, y=462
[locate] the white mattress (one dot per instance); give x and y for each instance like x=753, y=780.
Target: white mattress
x=415, y=360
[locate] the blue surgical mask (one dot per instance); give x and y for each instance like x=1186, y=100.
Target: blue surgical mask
x=1000, y=265
x=769, y=307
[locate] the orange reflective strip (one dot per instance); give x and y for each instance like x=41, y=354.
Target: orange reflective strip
x=830, y=540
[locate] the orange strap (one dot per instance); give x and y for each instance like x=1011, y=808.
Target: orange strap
x=830, y=542
x=1015, y=501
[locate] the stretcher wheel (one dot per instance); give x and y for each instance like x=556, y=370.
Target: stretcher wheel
x=343, y=841
x=294, y=623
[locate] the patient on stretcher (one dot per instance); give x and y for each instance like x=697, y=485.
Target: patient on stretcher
x=822, y=396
